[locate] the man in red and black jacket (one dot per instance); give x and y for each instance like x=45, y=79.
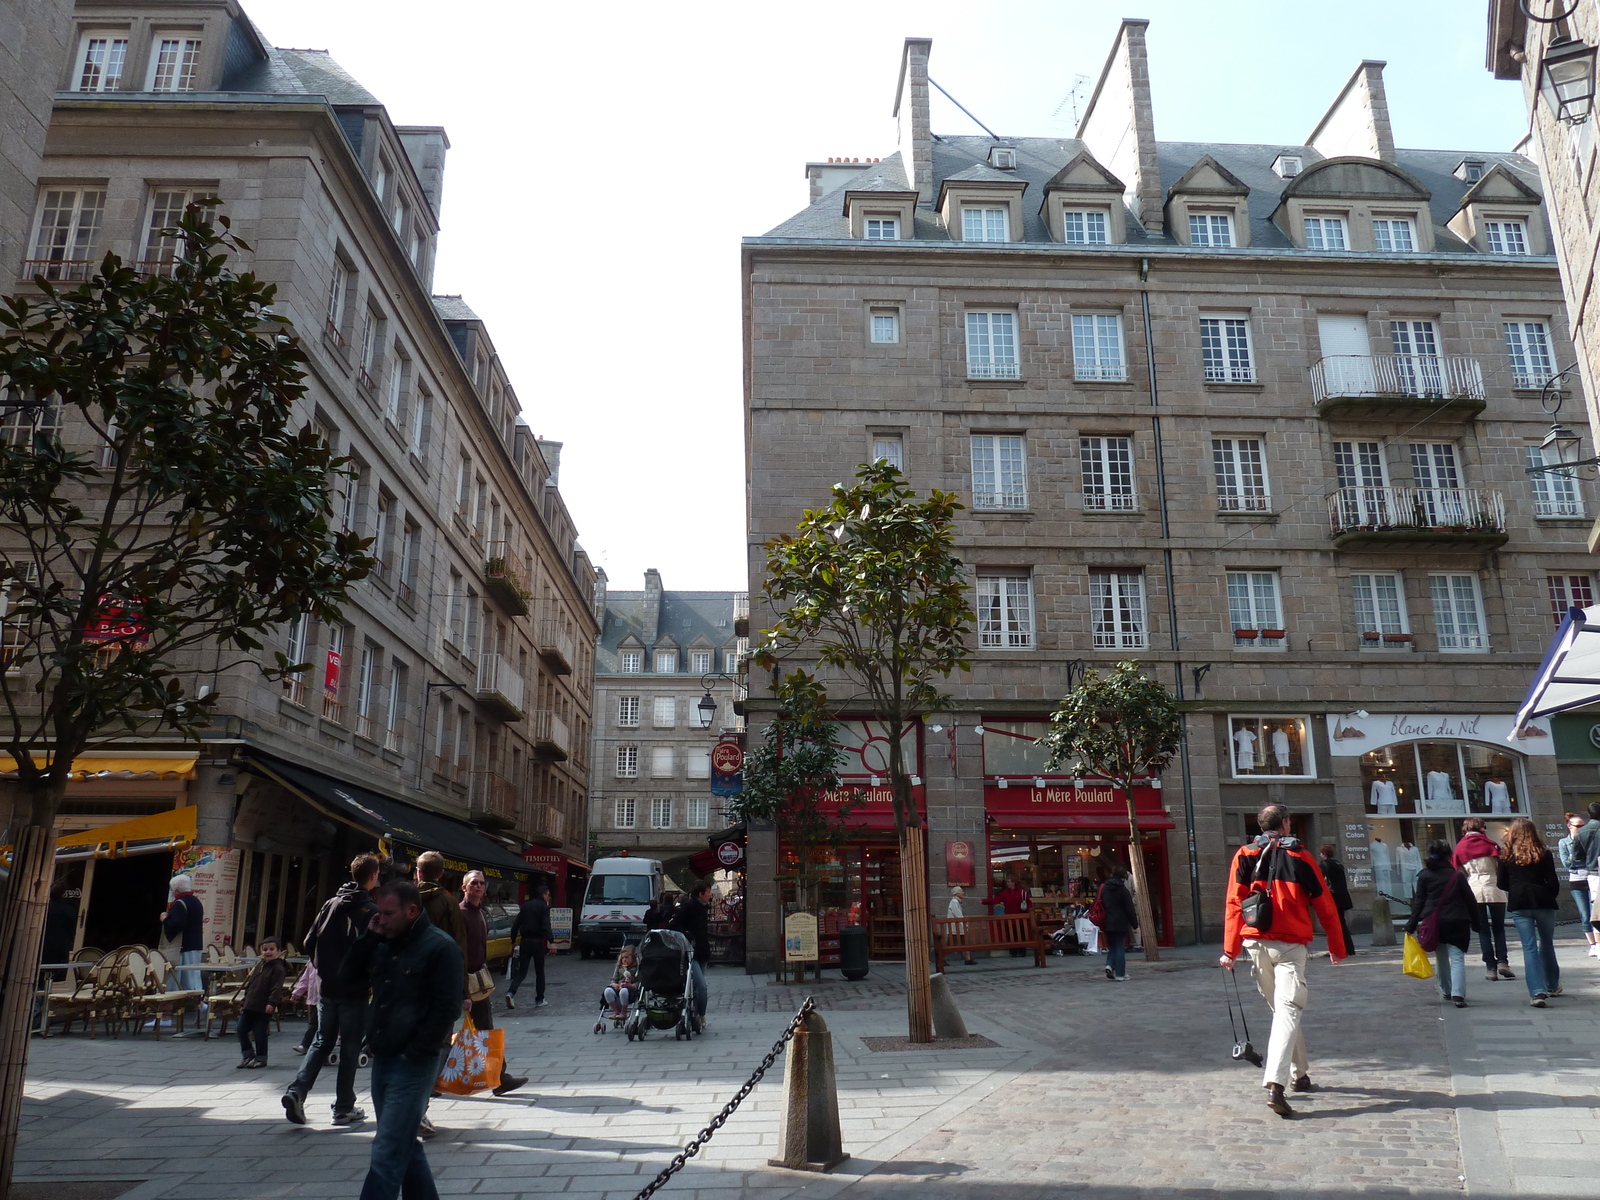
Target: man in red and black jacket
x=1280, y=867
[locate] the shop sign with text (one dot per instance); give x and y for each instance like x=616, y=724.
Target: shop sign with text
x=1022, y=797
x=1355, y=735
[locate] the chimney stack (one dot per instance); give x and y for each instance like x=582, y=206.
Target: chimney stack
x=1119, y=126
x=911, y=111
x=1357, y=122
x=652, y=606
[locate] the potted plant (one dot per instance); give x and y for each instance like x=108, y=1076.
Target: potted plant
x=1397, y=637
x=1246, y=634
x=1370, y=635
x=1276, y=635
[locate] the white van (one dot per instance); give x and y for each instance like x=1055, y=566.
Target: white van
x=619, y=892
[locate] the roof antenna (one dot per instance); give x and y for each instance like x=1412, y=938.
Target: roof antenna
x=963, y=108
x=1080, y=84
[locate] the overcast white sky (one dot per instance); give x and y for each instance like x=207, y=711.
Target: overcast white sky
x=607, y=158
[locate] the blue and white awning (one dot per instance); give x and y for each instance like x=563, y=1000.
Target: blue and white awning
x=1569, y=676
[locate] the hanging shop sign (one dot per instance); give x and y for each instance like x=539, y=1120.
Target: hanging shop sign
x=118, y=620
x=724, y=783
x=1353, y=736
x=730, y=855
x=727, y=757
x=961, y=864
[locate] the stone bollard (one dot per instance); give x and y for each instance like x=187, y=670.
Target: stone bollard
x=1382, y=922
x=808, y=1136
x=947, y=1022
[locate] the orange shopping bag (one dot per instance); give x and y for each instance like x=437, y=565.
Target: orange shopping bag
x=476, y=1056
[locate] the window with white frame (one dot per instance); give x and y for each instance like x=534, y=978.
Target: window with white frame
x=700, y=662
x=173, y=64
x=20, y=428
x=67, y=233
x=1107, y=465
x=622, y=812
x=101, y=59
x=162, y=248
x=399, y=373
x=1555, y=493
x=881, y=229
x=380, y=534
x=999, y=471
x=889, y=448
x=294, y=686
x=664, y=712
x=661, y=812
x=1085, y=227
x=421, y=414
x=1394, y=235
x=627, y=762
x=1255, y=611
x=1528, y=346
x=666, y=662
x=985, y=224
x=1116, y=604
x=1380, y=607
x=661, y=766
x=1325, y=233
x=992, y=345
x=338, y=288
x=1210, y=229
x=394, y=704
x=1005, y=612
x=1438, y=479
x=632, y=661
x=366, y=686
x=1458, y=612
x=1568, y=592
x=699, y=812
x=698, y=762
x=1225, y=350
x=885, y=325
x=1506, y=237
x=1417, y=364
x=1240, y=467
x=1097, y=347
x=628, y=712
x=1363, y=480
x=1271, y=746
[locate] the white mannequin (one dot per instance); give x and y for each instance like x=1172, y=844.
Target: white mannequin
x=1384, y=799
x=1498, y=795
x=1245, y=754
x=1440, y=790
x=1410, y=860
x=1280, y=748
x=1382, y=869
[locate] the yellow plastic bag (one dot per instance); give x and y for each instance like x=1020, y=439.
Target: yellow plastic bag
x=1417, y=963
x=476, y=1056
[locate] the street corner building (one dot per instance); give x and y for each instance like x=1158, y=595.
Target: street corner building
x=1257, y=417
x=450, y=709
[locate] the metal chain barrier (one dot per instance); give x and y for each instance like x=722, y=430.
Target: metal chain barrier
x=721, y=1118
x=1405, y=901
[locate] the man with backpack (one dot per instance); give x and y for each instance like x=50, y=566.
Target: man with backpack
x=341, y=1010
x=1273, y=887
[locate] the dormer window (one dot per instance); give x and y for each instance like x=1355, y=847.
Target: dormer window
x=1325, y=233
x=174, y=64
x=1002, y=158
x=1506, y=237
x=984, y=224
x=881, y=229
x=1085, y=227
x=1210, y=229
x=1471, y=170
x=1287, y=165
x=1394, y=235
x=101, y=57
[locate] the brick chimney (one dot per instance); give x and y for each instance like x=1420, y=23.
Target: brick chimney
x=1357, y=122
x=912, y=116
x=425, y=146
x=1119, y=126
x=600, y=581
x=652, y=606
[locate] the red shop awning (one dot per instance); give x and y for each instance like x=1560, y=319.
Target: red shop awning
x=1082, y=822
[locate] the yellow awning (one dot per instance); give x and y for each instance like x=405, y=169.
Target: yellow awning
x=171, y=830
x=90, y=766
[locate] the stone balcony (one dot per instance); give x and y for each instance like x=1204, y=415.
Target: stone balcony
x=1380, y=385
x=1373, y=518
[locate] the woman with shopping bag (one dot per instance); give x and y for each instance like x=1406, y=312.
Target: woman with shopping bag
x=1444, y=916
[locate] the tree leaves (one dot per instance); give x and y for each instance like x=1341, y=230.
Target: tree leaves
x=1119, y=726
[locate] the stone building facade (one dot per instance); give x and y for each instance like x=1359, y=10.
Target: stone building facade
x=33, y=48
x=1257, y=417
x=451, y=708
x=660, y=652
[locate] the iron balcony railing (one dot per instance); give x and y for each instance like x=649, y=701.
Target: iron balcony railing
x=1110, y=501
x=993, y=368
x=1100, y=372
x=490, y=793
x=999, y=500
x=498, y=681
x=551, y=732
x=1396, y=376
x=1403, y=509
x=64, y=269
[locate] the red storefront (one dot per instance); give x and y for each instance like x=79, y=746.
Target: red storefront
x=1061, y=840
x=567, y=875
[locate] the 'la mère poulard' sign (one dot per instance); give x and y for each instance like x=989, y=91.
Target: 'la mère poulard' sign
x=1021, y=796
x=873, y=807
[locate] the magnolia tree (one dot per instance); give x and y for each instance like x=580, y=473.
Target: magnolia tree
x=1122, y=727
x=157, y=499
x=870, y=592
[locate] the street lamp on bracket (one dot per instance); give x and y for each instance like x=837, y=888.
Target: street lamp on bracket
x=1565, y=441
x=705, y=712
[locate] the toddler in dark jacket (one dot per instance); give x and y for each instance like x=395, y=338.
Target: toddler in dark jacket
x=262, y=989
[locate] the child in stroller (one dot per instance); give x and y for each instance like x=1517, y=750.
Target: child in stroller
x=621, y=991
x=664, y=1001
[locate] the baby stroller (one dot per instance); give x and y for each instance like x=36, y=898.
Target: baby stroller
x=664, y=1001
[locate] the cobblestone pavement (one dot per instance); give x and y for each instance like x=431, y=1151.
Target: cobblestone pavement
x=1096, y=1089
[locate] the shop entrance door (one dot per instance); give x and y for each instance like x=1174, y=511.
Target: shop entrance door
x=127, y=900
x=886, y=934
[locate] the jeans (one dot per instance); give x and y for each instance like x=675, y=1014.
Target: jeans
x=341, y=1023
x=1493, y=936
x=253, y=1029
x=1536, y=929
x=1117, y=954
x=310, y=1034
x=399, y=1096
x=189, y=981
x=1580, y=897
x=697, y=976
x=1451, y=964
x=519, y=969
x=1280, y=971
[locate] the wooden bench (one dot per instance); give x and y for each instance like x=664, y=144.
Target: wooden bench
x=963, y=935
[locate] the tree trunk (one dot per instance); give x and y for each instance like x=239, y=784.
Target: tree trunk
x=914, y=903
x=23, y=904
x=1141, y=884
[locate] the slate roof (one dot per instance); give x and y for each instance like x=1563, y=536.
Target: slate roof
x=453, y=308
x=1039, y=159
x=685, y=617
x=289, y=72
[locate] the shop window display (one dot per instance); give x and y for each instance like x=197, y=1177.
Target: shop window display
x=1441, y=779
x=1278, y=746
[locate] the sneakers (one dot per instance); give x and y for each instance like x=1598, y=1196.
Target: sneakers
x=1277, y=1103
x=1494, y=977
x=1537, y=1002
x=1555, y=991
x=301, y=1049
x=254, y=1064
x=511, y=1000
x=1110, y=974
x=425, y=1129
x=540, y=1003
x=245, y=1063
x=294, y=1108
x=1460, y=1001
x=1122, y=979
x=1304, y=1084
x=1505, y=972
x=1594, y=949
x=510, y=1083
x=353, y=1117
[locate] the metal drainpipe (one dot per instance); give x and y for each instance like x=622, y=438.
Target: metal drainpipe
x=1172, y=598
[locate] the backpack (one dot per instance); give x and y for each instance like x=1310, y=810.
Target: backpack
x=1256, y=907
x=1097, y=910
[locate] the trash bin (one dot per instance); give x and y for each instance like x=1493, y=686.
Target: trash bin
x=853, y=952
